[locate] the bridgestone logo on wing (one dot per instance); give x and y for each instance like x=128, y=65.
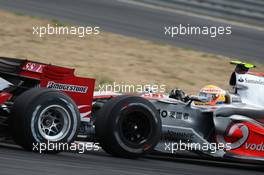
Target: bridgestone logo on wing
x=67, y=87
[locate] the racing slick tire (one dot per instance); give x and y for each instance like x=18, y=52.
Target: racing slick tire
x=44, y=116
x=128, y=126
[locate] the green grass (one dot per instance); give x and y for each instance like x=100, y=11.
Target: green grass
x=56, y=22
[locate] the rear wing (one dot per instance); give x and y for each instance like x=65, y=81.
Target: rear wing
x=11, y=65
x=10, y=69
x=29, y=74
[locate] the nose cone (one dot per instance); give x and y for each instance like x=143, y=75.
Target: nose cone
x=235, y=132
x=238, y=134
x=4, y=96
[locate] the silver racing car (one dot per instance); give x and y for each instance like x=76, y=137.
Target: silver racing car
x=215, y=123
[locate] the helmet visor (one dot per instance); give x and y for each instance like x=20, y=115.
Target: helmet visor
x=206, y=97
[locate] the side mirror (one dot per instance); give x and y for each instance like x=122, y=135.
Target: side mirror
x=197, y=99
x=242, y=67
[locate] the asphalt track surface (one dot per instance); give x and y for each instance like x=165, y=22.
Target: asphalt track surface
x=15, y=161
x=139, y=21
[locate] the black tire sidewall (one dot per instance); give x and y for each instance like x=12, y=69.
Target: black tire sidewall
x=117, y=121
x=25, y=114
x=111, y=138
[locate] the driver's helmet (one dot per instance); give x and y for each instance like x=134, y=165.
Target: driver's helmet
x=212, y=95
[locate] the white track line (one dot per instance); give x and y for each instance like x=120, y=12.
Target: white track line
x=190, y=14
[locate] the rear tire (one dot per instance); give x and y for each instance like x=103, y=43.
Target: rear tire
x=128, y=126
x=44, y=115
